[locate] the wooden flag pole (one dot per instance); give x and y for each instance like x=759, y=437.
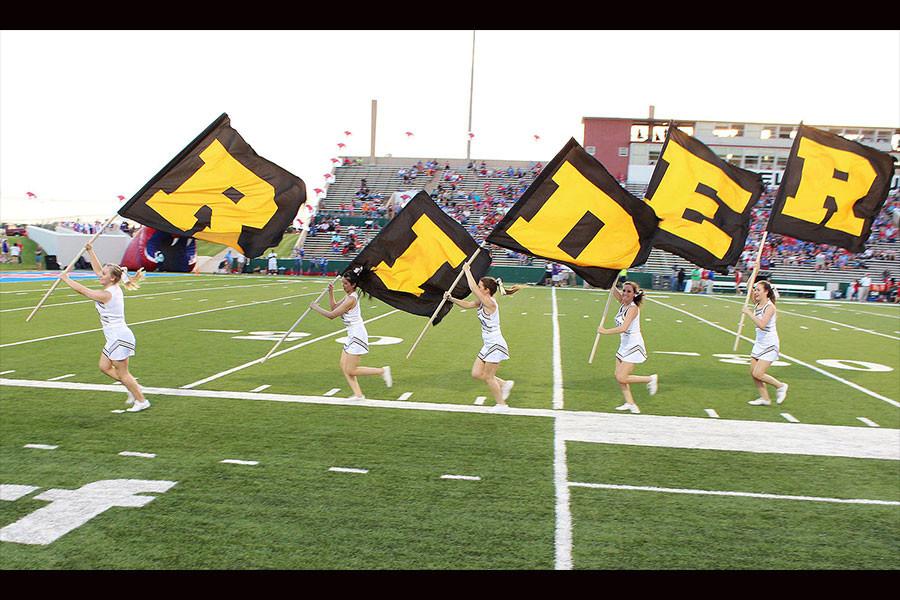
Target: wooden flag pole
x=750, y=282
x=602, y=321
x=69, y=266
x=297, y=322
x=437, y=310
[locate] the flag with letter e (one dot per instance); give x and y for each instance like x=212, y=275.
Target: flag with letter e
x=832, y=190
x=703, y=203
x=576, y=214
x=218, y=189
x=416, y=257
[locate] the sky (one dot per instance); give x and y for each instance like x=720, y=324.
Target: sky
x=86, y=116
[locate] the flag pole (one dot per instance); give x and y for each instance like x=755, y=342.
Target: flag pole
x=750, y=282
x=602, y=321
x=437, y=310
x=72, y=263
x=297, y=322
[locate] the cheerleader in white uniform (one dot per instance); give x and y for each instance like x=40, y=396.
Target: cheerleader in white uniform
x=767, y=345
x=120, y=342
x=494, y=347
x=631, y=347
x=357, y=337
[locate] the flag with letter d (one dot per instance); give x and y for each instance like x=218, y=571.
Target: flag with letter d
x=832, y=190
x=576, y=214
x=704, y=203
x=416, y=257
x=218, y=189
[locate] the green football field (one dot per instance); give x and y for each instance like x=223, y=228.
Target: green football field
x=423, y=475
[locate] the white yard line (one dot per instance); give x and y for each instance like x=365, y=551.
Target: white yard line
x=261, y=388
x=563, y=535
x=712, y=413
x=868, y=422
x=191, y=314
x=463, y=477
x=790, y=418
x=133, y=296
x=8, y=372
x=348, y=470
x=66, y=376
x=332, y=392
x=138, y=454
x=606, y=428
x=557, y=356
x=796, y=314
x=280, y=352
x=234, y=461
x=641, y=488
x=405, y=396
x=796, y=360
x=479, y=400
x=41, y=446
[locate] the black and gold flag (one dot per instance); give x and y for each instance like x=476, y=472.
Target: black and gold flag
x=218, y=189
x=416, y=257
x=704, y=203
x=832, y=190
x=576, y=214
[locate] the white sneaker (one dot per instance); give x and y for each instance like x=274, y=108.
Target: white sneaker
x=139, y=406
x=129, y=400
x=759, y=402
x=500, y=408
x=506, y=389
x=781, y=393
x=623, y=407
x=356, y=398
x=633, y=408
x=388, y=380
x=653, y=384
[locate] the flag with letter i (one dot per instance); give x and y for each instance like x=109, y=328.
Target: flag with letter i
x=575, y=213
x=220, y=190
x=416, y=257
x=832, y=190
x=704, y=203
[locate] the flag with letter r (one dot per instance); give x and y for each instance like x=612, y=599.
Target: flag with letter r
x=220, y=190
x=415, y=258
x=575, y=213
x=704, y=203
x=832, y=190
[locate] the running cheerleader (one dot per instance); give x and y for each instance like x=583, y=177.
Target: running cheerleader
x=495, y=347
x=110, y=302
x=357, y=336
x=631, y=348
x=765, y=349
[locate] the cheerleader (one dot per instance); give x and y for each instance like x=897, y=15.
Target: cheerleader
x=766, y=347
x=120, y=343
x=494, y=348
x=357, y=337
x=631, y=347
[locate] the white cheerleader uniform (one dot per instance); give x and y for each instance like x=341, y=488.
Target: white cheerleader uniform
x=119, y=338
x=357, y=336
x=631, y=347
x=494, y=348
x=767, y=345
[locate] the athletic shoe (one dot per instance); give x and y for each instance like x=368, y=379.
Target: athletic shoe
x=781, y=393
x=388, y=380
x=500, y=408
x=356, y=398
x=653, y=384
x=506, y=389
x=129, y=400
x=633, y=408
x=139, y=406
x=623, y=407
x=759, y=402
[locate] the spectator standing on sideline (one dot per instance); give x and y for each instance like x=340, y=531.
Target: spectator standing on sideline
x=4, y=249
x=865, y=284
x=273, y=263
x=37, y=257
x=16, y=253
x=695, y=280
x=681, y=277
